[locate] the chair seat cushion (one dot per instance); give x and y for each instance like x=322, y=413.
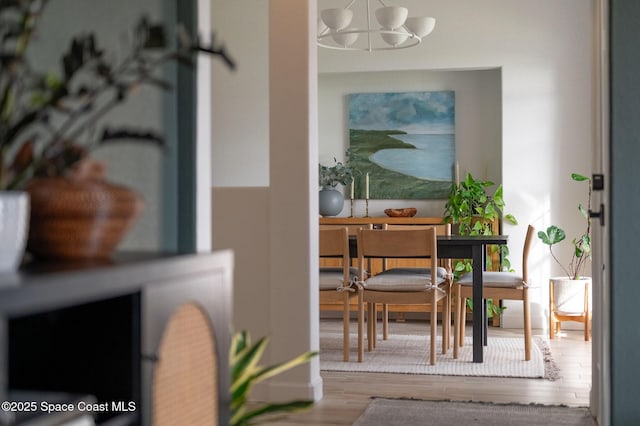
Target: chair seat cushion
x=442, y=272
x=331, y=278
x=402, y=279
x=494, y=279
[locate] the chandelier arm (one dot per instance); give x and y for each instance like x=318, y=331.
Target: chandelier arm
x=350, y=4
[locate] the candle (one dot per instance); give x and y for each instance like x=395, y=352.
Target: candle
x=352, y=182
x=367, y=187
x=457, y=173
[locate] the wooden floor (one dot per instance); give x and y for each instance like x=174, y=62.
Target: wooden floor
x=347, y=394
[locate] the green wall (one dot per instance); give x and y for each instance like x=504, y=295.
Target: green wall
x=625, y=205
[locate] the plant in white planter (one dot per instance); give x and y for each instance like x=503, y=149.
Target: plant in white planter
x=569, y=295
x=581, y=244
x=331, y=200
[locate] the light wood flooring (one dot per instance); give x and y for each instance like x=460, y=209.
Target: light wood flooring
x=347, y=394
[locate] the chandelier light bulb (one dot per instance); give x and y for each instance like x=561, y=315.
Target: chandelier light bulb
x=392, y=17
x=420, y=25
x=337, y=19
x=345, y=39
x=394, y=38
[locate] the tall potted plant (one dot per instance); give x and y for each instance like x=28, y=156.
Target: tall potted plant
x=331, y=200
x=475, y=210
x=568, y=291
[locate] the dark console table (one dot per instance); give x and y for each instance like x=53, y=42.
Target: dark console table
x=96, y=329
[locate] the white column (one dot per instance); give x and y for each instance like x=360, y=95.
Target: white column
x=293, y=196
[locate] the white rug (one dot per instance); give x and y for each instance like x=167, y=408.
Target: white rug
x=409, y=354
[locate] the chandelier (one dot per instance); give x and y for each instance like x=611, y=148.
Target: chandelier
x=397, y=30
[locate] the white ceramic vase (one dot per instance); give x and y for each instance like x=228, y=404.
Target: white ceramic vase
x=14, y=225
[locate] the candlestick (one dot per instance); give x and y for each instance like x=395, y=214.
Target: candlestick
x=351, y=208
x=367, y=187
x=366, y=207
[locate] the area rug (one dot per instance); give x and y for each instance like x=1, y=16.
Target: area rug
x=409, y=354
x=407, y=412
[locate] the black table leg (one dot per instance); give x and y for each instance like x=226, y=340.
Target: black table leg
x=479, y=314
x=486, y=321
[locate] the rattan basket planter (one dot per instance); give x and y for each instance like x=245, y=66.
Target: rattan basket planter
x=79, y=218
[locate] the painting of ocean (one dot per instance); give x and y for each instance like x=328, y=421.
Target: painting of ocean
x=405, y=141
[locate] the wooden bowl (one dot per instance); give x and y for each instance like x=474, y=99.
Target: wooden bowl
x=406, y=212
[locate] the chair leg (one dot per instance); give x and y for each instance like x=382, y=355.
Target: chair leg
x=385, y=321
x=374, y=324
x=434, y=328
x=360, y=326
x=345, y=327
x=463, y=319
x=527, y=326
x=370, y=322
x=456, y=325
x=446, y=322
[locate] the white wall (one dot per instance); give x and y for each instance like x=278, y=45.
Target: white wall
x=544, y=50
x=240, y=115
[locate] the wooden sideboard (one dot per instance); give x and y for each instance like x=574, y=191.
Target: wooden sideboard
x=105, y=330
x=342, y=221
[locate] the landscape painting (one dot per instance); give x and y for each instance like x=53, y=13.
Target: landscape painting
x=405, y=141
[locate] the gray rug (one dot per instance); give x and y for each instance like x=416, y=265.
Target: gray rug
x=409, y=412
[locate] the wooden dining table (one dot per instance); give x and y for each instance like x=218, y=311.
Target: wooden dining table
x=466, y=247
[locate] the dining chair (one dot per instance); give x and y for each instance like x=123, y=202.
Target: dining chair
x=418, y=265
x=336, y=283
x=496, y=285
x=399, y=285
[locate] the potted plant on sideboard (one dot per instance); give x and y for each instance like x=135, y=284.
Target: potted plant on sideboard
x=569, y=295
x=331, y=200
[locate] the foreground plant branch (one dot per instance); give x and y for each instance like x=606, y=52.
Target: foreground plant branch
x=49, y=121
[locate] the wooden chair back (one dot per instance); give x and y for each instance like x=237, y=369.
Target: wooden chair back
x=351, y=229
x=443, y=229
x=525, y=253
x=405, y=243
x=334, y=242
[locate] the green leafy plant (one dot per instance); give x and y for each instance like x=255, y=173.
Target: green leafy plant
x=475, y=210
x=50, y=119
x=246, y=372
x=581, y=244
x=330, y=176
